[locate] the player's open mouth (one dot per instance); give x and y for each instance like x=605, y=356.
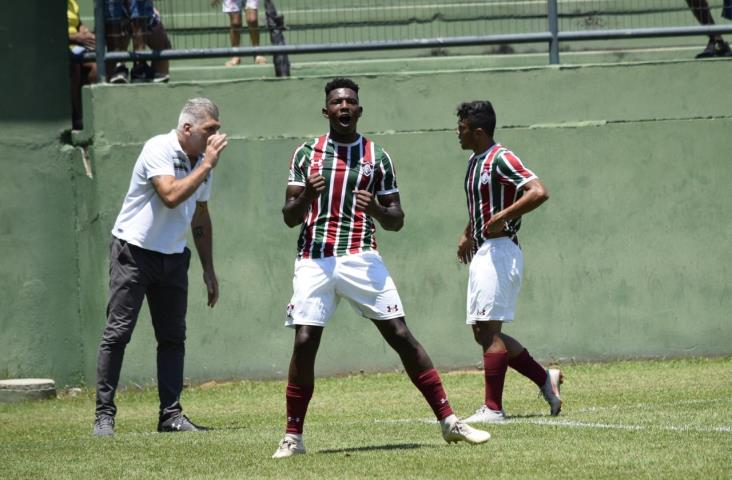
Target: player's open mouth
x=344, y=119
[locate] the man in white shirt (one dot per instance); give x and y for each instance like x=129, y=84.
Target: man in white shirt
x=169, y=190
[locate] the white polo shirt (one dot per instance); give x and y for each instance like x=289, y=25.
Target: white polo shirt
x=144, y=220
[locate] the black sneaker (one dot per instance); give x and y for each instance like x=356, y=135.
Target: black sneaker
x=120, y=74
x=180, y=423
x=161, y=78
x=716, y=48
x=142, y=72
x=723, y=50
x=708, y=52
x=104, y=426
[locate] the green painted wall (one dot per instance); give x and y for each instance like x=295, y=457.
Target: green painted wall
x=626, y=259
x=630, y=257
x=39, y=285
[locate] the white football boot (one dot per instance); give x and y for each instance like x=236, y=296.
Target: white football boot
x=550, y=390
x=453, y=431
x=486, y=415
x=290, y=445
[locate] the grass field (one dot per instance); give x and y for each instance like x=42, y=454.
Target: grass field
x=649, y=419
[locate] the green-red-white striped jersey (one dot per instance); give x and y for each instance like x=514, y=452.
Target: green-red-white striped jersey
x=492, y=183
x=332, y=226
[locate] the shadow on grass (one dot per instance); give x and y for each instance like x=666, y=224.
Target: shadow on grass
x=397, y=446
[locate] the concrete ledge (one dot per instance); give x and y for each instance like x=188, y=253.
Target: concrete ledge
x=23, y=389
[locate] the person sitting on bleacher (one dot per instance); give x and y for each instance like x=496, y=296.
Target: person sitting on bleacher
x=140, y=20
x=81, y=40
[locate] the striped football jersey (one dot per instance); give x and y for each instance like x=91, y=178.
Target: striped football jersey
x=492, y=183
x=332, y=226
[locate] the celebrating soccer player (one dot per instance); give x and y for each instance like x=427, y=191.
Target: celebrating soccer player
x=499, y=189
x=339, y=184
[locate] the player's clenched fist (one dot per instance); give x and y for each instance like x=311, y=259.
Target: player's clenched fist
x=314, y=185
x=214, y=145
x=365, y=200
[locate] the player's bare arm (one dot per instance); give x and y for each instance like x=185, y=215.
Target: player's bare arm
x=465, y=246
x=535, y=193
x=173, y=191
x=386, y=209
x=203, y=239
x=298, y=198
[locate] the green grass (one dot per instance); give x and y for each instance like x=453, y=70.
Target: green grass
x=649, y=419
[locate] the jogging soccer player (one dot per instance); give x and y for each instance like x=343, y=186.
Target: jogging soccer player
x=339, y=185
x=499, y=189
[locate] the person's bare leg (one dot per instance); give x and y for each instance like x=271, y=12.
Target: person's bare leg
x=158, y=40
x=140, y=36
x=88, y=73
x=234, y=35
x=139, y=31
x=117, y=41
x=75, y=84
x=253, y=26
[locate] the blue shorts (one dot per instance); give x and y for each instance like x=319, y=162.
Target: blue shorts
x=118, y=10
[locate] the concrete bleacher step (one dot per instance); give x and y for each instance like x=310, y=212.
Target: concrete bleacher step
x=213, y=69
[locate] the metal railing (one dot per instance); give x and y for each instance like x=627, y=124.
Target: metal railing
x=325, y=26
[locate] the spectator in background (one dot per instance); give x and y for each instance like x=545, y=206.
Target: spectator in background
x=233, y=9
x=81, y=40
x=141, y=21
x=716, y=47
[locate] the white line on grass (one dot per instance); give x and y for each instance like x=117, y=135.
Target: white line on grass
x=654, y=405
x=575, y=424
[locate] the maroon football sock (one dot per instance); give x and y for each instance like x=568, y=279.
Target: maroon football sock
x=298, y=397
x=495, y=366
x=529, y=368
x=429, y=383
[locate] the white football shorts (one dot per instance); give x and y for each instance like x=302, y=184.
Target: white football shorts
x=494, y=281
x=231, y=6
x=362, y=279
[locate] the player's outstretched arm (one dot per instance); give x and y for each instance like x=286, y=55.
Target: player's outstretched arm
x=298, y=199
x=387, y=210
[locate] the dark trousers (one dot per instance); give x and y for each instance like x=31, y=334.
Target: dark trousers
x=135, y=273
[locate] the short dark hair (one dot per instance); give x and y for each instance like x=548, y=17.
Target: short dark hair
x=340, y=83
x=478, y=114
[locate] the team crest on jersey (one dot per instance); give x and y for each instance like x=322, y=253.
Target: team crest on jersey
x=485, y=177
x=367, y=169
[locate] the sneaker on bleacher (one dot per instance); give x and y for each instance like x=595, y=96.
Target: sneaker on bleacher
x=120, y=74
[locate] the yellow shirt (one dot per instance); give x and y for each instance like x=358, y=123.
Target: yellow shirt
x=72, y=13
